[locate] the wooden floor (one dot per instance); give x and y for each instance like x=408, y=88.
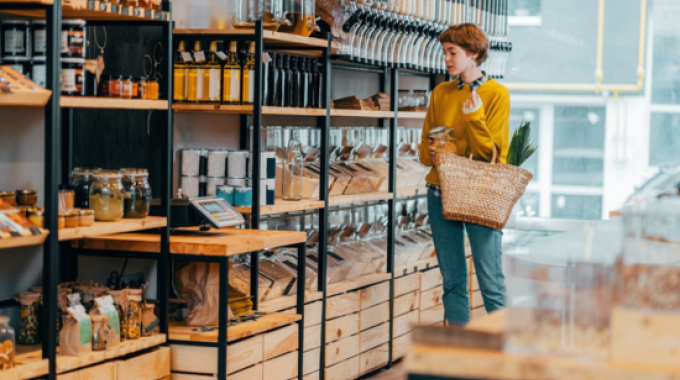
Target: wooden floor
x=395, y=373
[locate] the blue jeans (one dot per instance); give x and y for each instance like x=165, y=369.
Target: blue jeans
x=449, y=243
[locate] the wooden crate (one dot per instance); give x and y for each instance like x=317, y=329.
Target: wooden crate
x=374, y=316
x=406, y=303
x=281, y=341
x=431, y=298
x=404, y=323
x=190, y=376
x=106, y=371
x=342, y=350
x=312, y=376
x=342, y=327
x=151, y=366
x=474, y=282
x=312, y=313
x=432, y=315
x=312, y=337
x=476, y=299
x=346, y=370
x=374, y=295
x=374, y=337
x=401, y=346
x=343, y=304
x=406, y=284
x=311, y=361
x=430, y=279
x=373, y=359
x=282, y=368
x=255, y=372
x=203, y=360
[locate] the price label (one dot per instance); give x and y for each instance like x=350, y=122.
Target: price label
x=221, y=55
x=266, y=58
x=186, y=57
x=199, y=56
x=148, y=13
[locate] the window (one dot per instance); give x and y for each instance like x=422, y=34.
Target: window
x=588, y=207
x=666, y=55
x=524, y=8
x=664, y=138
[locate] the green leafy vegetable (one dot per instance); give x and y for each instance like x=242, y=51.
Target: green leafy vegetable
x=521, y=147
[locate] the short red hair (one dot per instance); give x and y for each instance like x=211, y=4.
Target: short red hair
x=470, y=38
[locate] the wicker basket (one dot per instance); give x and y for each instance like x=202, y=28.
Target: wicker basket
x=479, y=192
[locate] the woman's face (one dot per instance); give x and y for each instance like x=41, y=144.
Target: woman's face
x=457, y=59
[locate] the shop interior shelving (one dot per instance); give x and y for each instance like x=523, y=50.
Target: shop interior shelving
x=90, y=10
x=112, y=103
x=24, y=241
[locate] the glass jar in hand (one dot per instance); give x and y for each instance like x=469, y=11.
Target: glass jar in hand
x=106, y=196
x=137, y=195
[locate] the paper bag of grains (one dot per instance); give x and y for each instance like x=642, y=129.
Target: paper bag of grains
x=120, y=303
x=198, y=284
x=149, y=319
x=75, y=338
x=104, y=306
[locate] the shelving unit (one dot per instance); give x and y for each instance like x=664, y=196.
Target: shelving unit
x=112, y=103
x=93, y=10
x=107, y=228
x=281, y=206
x=24, y=241
x=23, y=98
x=182, y=333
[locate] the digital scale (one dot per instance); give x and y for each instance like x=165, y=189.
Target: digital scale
x=203, y=212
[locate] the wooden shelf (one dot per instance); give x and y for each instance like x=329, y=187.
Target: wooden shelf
x=25, y=98
x=31, y=364
x=364, y=114
x=27, y=2
x=247, y=109
x=224, y=242
x=112, y=103
x=179, y=332
x=418, y=266
x=340, y=200
x=270, y=38
x=411, y=191
x=282, y=206
x=94, y=11
x=26, y=241
x=412, y=115
x=287, y=302
x=106, y=228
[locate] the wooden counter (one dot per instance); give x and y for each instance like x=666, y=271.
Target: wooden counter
x=461, y=363
x=222, y=242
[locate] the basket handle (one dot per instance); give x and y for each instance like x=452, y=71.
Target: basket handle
x=494, y=157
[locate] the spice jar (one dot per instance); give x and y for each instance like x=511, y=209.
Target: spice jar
x=9, y=197
x=116, y=86
x=37, y=217
x=7, y=344
x=73, y=76
x=150, y=89
x=82, y=181
x=72, y=218
x=106, y=196
x=27, y=197
x=66, y=198
x=126, y=92
x=73, y=38
x=85, y=218
x=137, y=193
x=16, y=38
x=61, y=220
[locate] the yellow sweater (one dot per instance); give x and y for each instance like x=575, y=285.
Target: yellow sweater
x=478, y=130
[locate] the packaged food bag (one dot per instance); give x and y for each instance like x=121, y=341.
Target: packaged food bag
x=104, y=306
x=120, y=302
x=150, y=321
x=75, y=337
x=198, y=284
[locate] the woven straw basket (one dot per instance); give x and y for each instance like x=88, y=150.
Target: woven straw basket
x=479, y=192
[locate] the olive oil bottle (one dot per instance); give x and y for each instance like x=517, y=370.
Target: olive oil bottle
x=232, y=76
x=195, y=77
x=211, y=76
x=249, y=76
x=181, y=68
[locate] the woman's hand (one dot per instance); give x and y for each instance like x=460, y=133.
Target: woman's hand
x=472, y=103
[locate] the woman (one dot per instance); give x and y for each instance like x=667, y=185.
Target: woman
x=477, y=108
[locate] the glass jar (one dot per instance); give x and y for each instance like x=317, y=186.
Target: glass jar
x=27, y=197
x=82, y=181
x=36, y=217
x=9, y=197
x=72, y=218
x=85, y=218
x=61, y=220
x=244, y=13
x=149, y=89
x=134, y=319
x=7, y=344
x=106, y=196
x=300, y=16
x=66, y=198
x=293, y=166
x=73, y=39
x=29, y=323
x=73, y=76
x=126, y=92
x=16, y=38
x=137, y=194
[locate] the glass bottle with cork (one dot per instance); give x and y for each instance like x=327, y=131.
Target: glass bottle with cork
x=249, y=76
x=281, y=82
x=195, y=77
x=315, y=85
x=181, y=68
x=290, y=66
x=272, y=80
x=295, y=82
x=232, y=76
x=306, y=83
x=211, y=76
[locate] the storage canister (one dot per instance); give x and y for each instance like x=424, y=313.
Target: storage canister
x=217, y=163
x=83, y=178
x=106, y=196
x=15, y=39
x=189, y=186
x=213, y=184
x=237, y=164
x=73, y=76
x=39, y=34
x=39, y=71
x=73, y=38
x=194, y=162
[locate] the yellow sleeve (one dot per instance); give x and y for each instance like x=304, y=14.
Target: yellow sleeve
x=484, y=129
x=429, y=123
